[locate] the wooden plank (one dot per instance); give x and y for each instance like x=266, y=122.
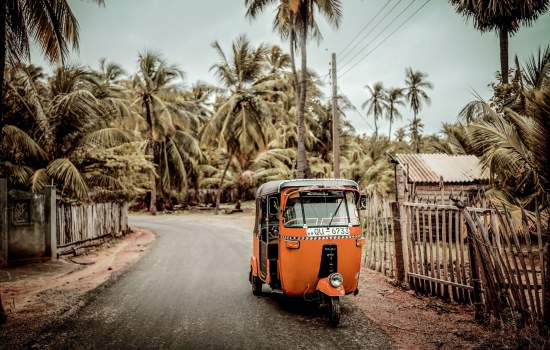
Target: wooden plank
x=454, y=291
x=419, y=250
x=384, y=240
x=532, y=268
x=501, y=263
x=437, y=257
x=445, y=250
x=516, y=276
x=458, y=262
x=412, y=245
x=450, y=283
x=431, y=244
x=524, y=275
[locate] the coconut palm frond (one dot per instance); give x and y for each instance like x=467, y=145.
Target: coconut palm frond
x=103, y=181
x=68, y=177
x=107, y=137
x=17, y=141
x=39, y=180
x=17, y=173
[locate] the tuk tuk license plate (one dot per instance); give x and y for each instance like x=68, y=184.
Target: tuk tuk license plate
x=327, y=231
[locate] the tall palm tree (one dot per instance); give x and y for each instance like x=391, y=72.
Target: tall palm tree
x=505, y=17
x=376, y=103
x=50, y=23
x=168, y=139
x=241, y=119
x=416, y=86
x=394, y=99
x=299, y=16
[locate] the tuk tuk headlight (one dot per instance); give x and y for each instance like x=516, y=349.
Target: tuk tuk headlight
x=336, y=279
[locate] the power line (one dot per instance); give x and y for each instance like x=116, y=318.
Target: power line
x=324, y=77
x=369, y=22
x=381, y=32
x=386, y=38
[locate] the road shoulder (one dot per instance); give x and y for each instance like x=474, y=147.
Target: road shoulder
x=36, y=295
x=415, y=322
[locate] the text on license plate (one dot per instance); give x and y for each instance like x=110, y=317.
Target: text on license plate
x=327, y=231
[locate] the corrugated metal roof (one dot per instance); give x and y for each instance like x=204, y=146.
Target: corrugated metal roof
x=452, y=168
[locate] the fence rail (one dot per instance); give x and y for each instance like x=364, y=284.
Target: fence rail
x=77, y=225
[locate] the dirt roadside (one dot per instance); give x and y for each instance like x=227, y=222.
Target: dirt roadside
x=416, y=322
x=36, y=295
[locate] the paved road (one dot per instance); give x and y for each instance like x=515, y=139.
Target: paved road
x=191, y=291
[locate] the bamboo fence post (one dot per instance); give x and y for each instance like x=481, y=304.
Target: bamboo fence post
x=398, y=260
x=473, y=256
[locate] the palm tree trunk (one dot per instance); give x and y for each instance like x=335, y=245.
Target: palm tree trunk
x=503, y=35
x=219, y=193
x=151, y=152
x=389, y=133
x=3, y=316
x=375, y=127
x=302, y=167
x=292, y=41
x=2, y=68
x=415, y=134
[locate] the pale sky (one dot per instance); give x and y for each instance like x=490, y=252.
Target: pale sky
x=438, y=41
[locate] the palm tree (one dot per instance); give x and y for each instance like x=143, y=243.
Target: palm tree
x=416, y=127
x=298, y=19
x=415, y=91
x=241, y=119
x=503, y=16
x=169, y=142
x=376, y=103
x=394, y=99
x=278, y=60
x=52, y=25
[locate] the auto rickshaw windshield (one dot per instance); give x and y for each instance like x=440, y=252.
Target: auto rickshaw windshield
x=320, y=208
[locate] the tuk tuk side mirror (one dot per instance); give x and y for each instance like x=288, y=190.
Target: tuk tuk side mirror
x=274, y=206
x=363, y=201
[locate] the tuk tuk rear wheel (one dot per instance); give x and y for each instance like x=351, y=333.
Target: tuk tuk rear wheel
x=334, y=311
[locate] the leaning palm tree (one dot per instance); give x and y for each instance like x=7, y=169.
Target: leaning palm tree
x=503, y=16
x=242, y=118
x=416, y=86
x=376, y=103
x=298, y=19
x=394, y=99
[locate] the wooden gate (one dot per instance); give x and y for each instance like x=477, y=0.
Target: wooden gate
x=437, y=250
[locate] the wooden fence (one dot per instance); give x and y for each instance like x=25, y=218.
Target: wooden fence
x=378, y=228
x=77, y=225
x=438, y=251
x=509, y=256
x=483, y=256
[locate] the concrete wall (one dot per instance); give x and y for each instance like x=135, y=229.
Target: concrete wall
x=27, y=228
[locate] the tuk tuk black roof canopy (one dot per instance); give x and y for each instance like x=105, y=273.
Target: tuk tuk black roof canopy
x=277, y=185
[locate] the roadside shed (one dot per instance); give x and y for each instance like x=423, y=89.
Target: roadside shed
x=434, y=178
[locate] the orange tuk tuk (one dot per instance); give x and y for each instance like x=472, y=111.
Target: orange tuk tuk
x=307, y=240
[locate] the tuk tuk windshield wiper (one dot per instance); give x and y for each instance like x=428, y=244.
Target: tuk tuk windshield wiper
x=336, y=211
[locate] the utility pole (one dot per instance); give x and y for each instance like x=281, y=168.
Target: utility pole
x=335, y=122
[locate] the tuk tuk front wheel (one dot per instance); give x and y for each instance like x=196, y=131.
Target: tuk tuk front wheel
x=256, y=284
x=334, y=311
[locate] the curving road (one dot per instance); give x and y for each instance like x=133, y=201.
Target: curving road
x=191, y=292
